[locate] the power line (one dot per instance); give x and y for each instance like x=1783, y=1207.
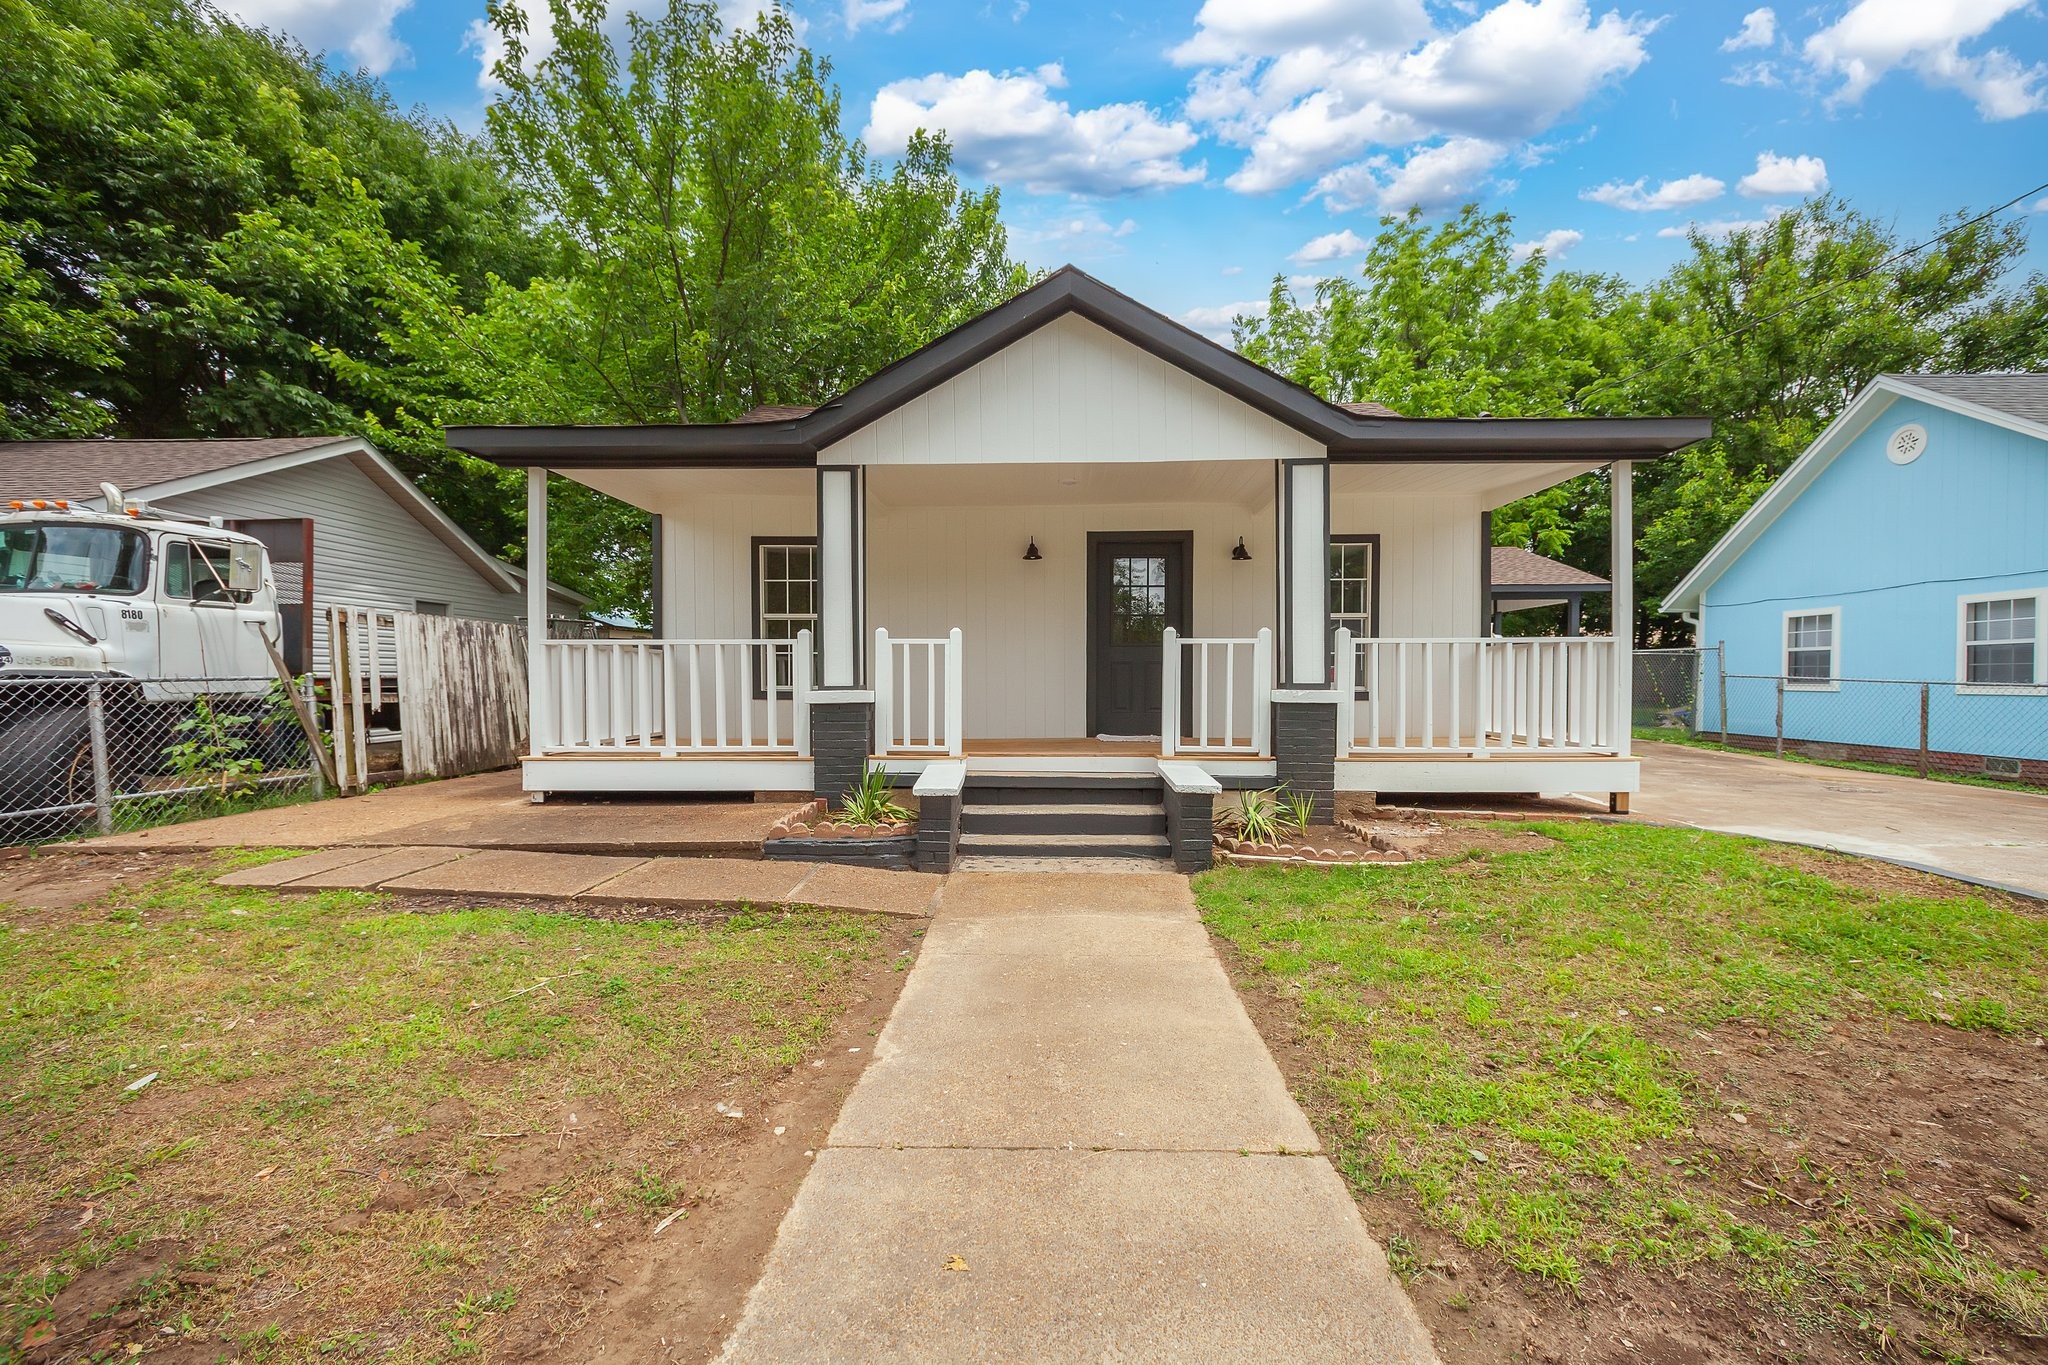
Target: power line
x=1801, y=302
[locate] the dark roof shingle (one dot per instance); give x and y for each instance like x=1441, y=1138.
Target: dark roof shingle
x=75, y=469
x=2020, y=394
x=1515, y=567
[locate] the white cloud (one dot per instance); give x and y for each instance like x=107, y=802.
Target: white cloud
x=1777, y=175
x=1214, y=323
x=1331, y=246
x=860, y=13
x=1554, y=244
x=362, y=30
x=1682, y=193
x=1239, y=270
x=1327, y=89
x=1759, y=29
x=1875, y=37
x=1010, y=129
x=1764, y=74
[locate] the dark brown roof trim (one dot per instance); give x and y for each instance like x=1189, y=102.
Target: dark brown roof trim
x=1346, y=434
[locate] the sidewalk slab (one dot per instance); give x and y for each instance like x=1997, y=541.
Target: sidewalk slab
x=1111, y=1026
x=871, y=889
x=1073, y=1256
x=373, y=872
x=291, y=869
x=510, y=872
x=704, y=883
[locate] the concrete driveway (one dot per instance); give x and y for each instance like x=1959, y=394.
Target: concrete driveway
x=1977, y=833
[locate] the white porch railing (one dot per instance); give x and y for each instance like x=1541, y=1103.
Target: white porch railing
x=918, y=695
x=1229, y=688
x=1478, y=696
x=674, y=697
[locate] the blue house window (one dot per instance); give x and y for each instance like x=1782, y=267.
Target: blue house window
x=1810, y=648
x=2001, y=636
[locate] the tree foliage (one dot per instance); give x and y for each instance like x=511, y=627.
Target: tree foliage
x=165, y=268
x=1769, y=330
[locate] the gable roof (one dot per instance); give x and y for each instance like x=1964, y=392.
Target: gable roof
x=1515, y=567
x=767, y=437
x=74, y=470
x=2019, y=394
x=2017, y=402
x=154, y=470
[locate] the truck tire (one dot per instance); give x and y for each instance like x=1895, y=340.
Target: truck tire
x=45, y=761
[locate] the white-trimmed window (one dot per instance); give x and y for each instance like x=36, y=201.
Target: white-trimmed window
x=786, y=596
x=1813, y=648
x=1999, y=644
x=1354, y=586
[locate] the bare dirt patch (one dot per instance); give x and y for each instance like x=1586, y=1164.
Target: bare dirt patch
x=387, y=1127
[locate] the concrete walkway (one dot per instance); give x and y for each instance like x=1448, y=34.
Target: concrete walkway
x=670, y=883
x=1072, y=1145
x=485, y=811
x=1980, y=834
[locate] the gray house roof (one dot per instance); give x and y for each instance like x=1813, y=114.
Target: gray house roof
x=75, y=469
x=2020, y=394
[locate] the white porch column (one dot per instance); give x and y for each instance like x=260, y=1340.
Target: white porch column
x=539, y=704
x=842, y=575
x=1304, y=573
x=1622, y=573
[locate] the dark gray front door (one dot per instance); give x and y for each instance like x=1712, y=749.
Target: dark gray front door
x=1137, y=587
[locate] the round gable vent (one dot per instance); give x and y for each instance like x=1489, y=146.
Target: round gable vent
x=1907, y=444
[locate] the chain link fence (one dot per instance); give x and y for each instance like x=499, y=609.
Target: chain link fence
x=1926, y=728
x=80, y=756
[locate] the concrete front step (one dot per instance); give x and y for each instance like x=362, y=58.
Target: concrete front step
x=1058, y=818
x=1054, y=845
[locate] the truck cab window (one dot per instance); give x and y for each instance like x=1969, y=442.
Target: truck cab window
x=177, y=569
x=71, y=558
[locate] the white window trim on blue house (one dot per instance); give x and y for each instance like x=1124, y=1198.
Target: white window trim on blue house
x=1834, y=679
x=1966, y=688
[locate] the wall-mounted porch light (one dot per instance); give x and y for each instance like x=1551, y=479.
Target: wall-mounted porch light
x=1031, y=550
x=1240, y=553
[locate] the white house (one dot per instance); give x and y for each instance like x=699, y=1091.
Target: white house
x=1069, y=539
x=342, y=525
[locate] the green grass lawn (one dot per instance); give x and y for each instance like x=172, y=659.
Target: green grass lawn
x=295, y=1164
x=1521, y=1047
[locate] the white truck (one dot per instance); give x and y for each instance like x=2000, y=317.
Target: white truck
x=156, y=611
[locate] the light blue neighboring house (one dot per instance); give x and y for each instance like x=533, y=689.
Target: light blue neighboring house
x=1909, y=544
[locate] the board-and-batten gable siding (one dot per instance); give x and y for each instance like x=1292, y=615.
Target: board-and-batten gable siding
x=368, y=551
x=1071, y=392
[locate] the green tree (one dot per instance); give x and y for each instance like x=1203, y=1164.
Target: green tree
x=714, y=241
x=146, y=150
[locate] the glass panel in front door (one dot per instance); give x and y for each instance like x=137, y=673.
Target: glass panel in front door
x=1137, y=609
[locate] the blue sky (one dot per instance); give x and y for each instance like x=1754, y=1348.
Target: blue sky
x=1187, y=152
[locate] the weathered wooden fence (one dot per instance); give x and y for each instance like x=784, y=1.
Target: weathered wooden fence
x=460, y=688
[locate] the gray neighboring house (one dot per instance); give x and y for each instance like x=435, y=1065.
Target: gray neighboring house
x=333, y=505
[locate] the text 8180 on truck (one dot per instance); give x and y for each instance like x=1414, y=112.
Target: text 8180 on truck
x=157, y=611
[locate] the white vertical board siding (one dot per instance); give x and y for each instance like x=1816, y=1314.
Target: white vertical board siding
x=1026, y=622
x=1429, y=557
x=1428, y=588
x=368, y=551
x=708, y=579
x=1071, y=392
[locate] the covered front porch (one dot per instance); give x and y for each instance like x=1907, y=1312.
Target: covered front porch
x=1269, y=622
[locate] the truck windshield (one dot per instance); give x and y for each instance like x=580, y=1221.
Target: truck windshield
x=72, y=559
